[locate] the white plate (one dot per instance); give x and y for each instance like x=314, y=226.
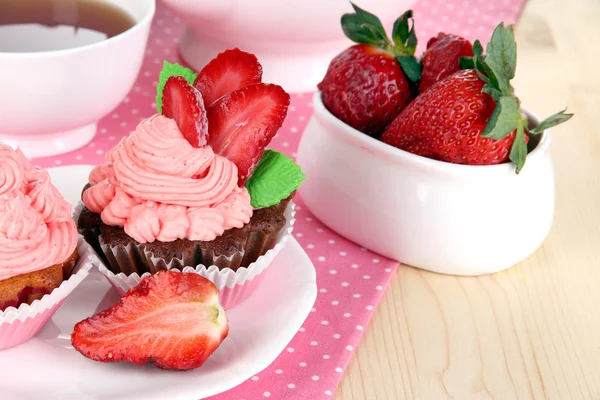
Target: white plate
x=260, y=328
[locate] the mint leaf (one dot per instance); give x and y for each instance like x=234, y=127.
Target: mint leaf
x=275, y=177
x=518, y=151
x=551, y=121
x=411, y=67
x=502, y=56
x=504, y=119
x=168, y=71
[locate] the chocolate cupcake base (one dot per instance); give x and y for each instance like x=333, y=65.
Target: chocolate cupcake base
x=234, y=285
x=236, y=248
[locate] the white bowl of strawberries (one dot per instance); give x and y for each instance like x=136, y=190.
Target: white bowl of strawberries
x=441, y=184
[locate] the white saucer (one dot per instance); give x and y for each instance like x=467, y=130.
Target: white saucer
x=47, y=145
x=260, y=328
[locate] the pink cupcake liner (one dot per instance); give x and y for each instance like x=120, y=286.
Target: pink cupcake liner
x=18, y=325
x=234, y=286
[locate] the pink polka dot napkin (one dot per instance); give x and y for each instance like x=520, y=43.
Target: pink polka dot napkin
x=351, y=279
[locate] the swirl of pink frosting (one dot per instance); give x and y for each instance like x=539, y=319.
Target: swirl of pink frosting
x=36, y=227
x=157, y=186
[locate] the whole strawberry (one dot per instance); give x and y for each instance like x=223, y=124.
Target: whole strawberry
x=172, y=319
x=441, y=58
x=368, y=84
x=472, y=116
x=446, y=122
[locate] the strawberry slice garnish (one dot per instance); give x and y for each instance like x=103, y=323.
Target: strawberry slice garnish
x=229, y=71
x=183, y=103
x=243, y=123
x=172, y=319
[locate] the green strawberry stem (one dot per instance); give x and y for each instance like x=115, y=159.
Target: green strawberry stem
x=365, y=28
x=496, y=69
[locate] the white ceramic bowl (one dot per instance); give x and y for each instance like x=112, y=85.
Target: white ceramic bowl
x=50, y=101
x=447, y=218
x=294, y=40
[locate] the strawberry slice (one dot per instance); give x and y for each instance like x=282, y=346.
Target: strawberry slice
x=183, y=103
x=172, y=319
x=229, y=71
x=243, y=123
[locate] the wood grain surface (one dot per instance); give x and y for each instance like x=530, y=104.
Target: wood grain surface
x=533, y=331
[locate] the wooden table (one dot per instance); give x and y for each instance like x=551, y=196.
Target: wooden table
x=532, y=332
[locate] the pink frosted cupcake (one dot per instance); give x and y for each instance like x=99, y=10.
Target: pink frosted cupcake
x=194, y=187
x=38, y=247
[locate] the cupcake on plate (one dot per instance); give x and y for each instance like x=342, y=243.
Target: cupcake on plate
x=38, y=248
x=193, y=187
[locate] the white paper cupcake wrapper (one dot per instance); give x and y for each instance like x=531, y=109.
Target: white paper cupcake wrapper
x=234, y=286
x=18, y=325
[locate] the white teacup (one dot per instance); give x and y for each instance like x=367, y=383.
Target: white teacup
x=50, y=101
x=447, y=218
x=294, y=40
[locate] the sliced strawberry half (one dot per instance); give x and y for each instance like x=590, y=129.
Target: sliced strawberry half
x=172, y=319
x=183, y=103
x=229, y=71
x=243, y=123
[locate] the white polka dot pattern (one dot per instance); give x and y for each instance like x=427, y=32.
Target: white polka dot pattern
x=351, y=279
